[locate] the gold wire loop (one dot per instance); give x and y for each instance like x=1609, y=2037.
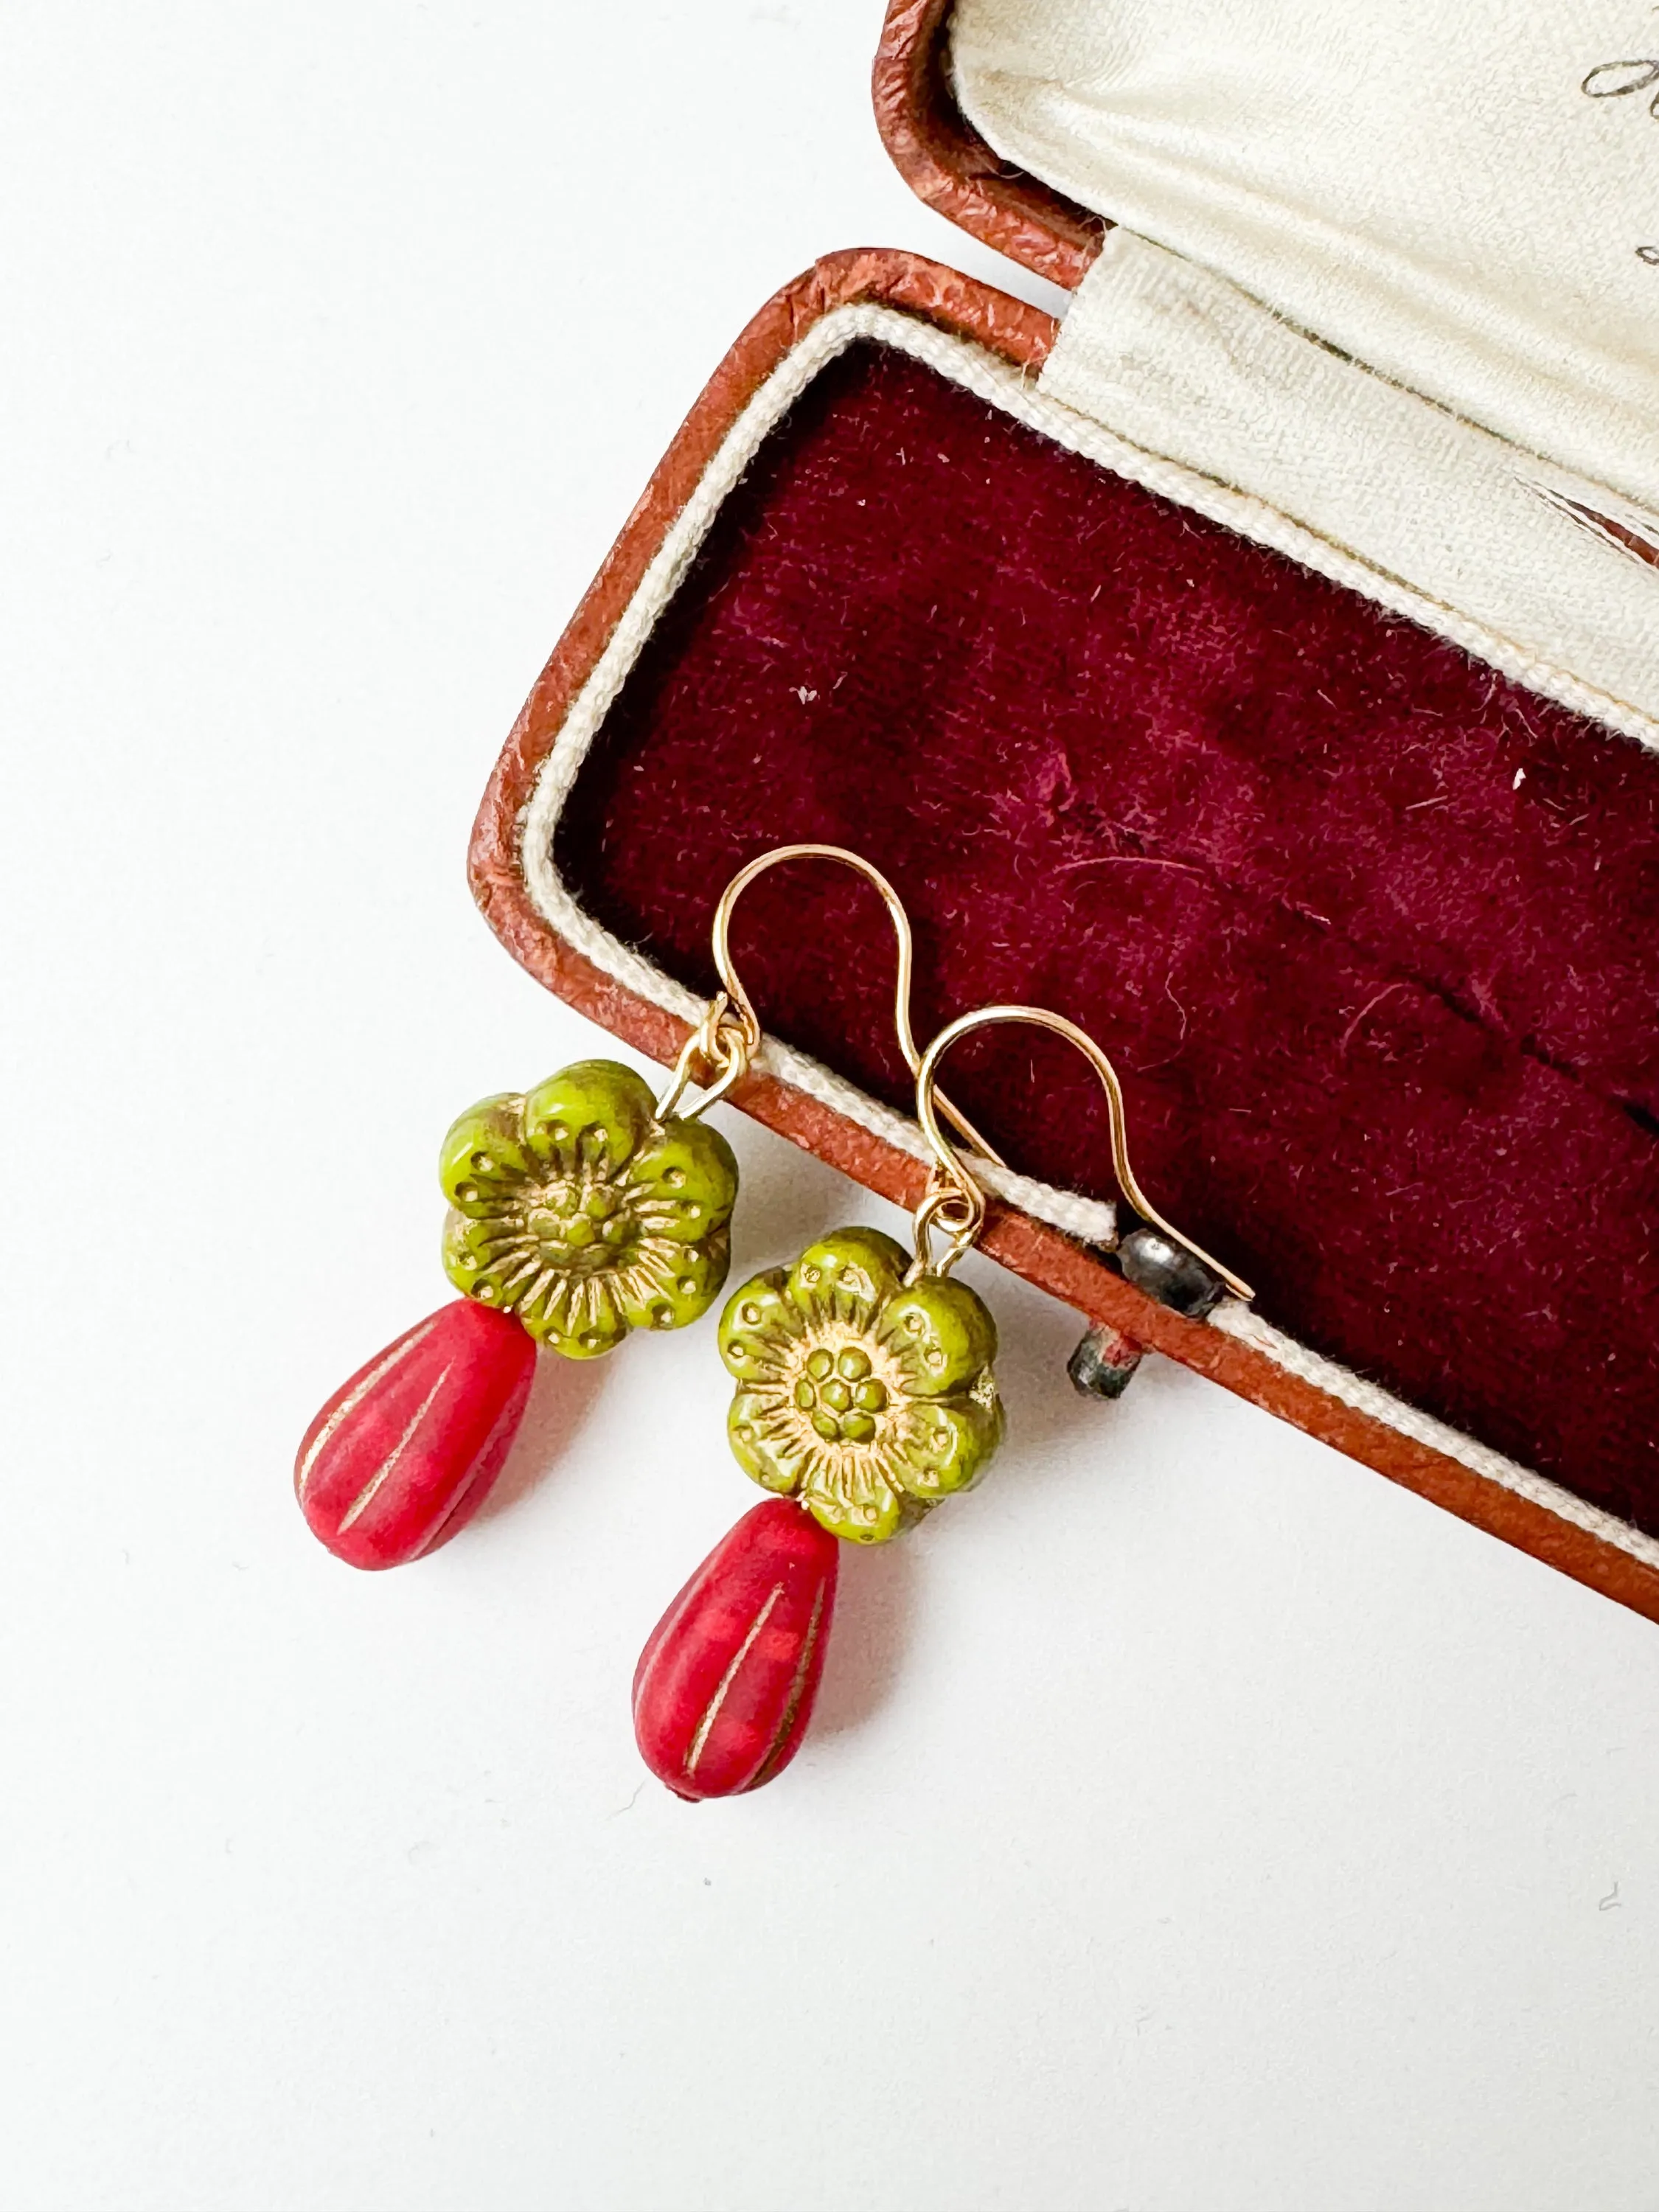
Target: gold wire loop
x=951, y=1168
x=730, y=1034
x=716, y=1055
x=957, y=1214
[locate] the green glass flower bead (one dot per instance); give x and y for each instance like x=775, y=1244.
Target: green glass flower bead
x=575, y=1208
x=867, y=1401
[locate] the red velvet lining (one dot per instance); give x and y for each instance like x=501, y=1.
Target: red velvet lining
x=1369, y=930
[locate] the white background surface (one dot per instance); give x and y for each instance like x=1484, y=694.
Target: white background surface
x=1194, y=1823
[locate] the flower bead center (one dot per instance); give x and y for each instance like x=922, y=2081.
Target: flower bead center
x=577, y=1223
x=839, y=1393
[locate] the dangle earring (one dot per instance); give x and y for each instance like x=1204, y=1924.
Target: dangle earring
x=865, y=1397
x=579, y=1211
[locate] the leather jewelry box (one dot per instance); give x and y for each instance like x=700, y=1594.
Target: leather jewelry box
x=1259, y=665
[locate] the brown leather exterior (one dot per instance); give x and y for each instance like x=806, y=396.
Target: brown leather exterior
x=1031, y=1249
x=945, y=162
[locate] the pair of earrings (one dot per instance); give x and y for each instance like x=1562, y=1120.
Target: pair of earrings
x=865, y=1393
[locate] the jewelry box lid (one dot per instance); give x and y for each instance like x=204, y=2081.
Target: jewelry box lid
x=1461, y=199
x=1393, y=274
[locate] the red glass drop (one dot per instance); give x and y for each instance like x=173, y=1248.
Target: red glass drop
x=723, y=1688
x=402, y=1454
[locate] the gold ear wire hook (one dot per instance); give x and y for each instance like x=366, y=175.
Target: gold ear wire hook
x=965, y=1193
x=729, y=1034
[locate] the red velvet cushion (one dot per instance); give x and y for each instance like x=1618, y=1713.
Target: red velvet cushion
x=1369, y=931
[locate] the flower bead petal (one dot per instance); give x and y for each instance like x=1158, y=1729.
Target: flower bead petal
x=761, y=1443
x=947, y=1447
x=484, y=1261
x=848, y=1275
x=595, y=1115
x=664, y=1285
x=760, y=1323
x=854, y=1500
x=462, y=1255
x=483, y=1159
x=577, y=1316
x=684, y=1183
x=941, y=1334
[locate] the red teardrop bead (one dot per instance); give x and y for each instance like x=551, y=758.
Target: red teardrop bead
x=724, y=1689
x=402, y=1454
